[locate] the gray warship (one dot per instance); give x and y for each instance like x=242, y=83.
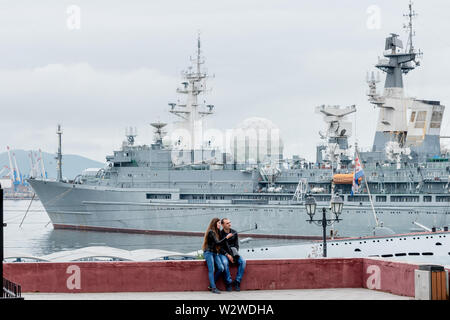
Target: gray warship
x=177, y=185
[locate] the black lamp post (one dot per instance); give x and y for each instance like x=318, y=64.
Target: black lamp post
x=336, y=207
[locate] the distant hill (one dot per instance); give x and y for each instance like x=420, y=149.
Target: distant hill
x=72, y=164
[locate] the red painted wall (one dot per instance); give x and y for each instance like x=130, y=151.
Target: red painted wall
x=394, y=277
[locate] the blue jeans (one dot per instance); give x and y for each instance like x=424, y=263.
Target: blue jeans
x=211, y=259
x=240, y=272
x=226, y=266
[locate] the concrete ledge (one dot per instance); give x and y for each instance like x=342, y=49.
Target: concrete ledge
x=167, y=276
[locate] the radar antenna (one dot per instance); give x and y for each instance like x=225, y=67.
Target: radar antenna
x=159, y=133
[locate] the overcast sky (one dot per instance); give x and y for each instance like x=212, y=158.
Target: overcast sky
x=272, y=59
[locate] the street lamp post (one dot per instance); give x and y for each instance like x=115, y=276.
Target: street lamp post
x=336, y=207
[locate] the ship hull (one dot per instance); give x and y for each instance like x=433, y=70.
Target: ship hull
x=74, y=206
x=423, y=246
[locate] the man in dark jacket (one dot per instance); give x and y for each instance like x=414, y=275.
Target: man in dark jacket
x=230, y=252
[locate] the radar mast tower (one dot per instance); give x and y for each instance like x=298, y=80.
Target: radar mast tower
x=409, y=28
x=392, y=104
x=59, y=154
x=190, y=111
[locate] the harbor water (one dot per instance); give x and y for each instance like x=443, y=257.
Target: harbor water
x=36, y=235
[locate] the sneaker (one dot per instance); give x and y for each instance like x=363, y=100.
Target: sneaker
x=237, y=285
x=229, y=287
x=215, y=290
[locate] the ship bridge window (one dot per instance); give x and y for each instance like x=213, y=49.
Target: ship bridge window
x=381, y=198
x=442, y=198
x=426, y=198
x=436, y=119
x=421, y=117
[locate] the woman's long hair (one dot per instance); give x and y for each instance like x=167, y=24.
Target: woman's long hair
x=212, y=226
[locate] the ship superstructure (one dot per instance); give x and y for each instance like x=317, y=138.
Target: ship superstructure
x=407, y=128
x=178, y=184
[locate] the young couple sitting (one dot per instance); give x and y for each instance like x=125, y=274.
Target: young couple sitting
x=220, y=249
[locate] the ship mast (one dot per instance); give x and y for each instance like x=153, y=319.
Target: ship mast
x=409, y=27
x=392, y=119
x=59, y=154
x=190, y=111
x=396, y=62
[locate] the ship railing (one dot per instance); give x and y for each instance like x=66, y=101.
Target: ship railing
x=11, y=290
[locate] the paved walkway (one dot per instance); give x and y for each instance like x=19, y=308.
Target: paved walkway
x=313, y=294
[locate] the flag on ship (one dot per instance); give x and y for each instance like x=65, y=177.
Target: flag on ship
x=358, y=173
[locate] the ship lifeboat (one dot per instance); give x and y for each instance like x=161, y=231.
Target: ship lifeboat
x=343, y=178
